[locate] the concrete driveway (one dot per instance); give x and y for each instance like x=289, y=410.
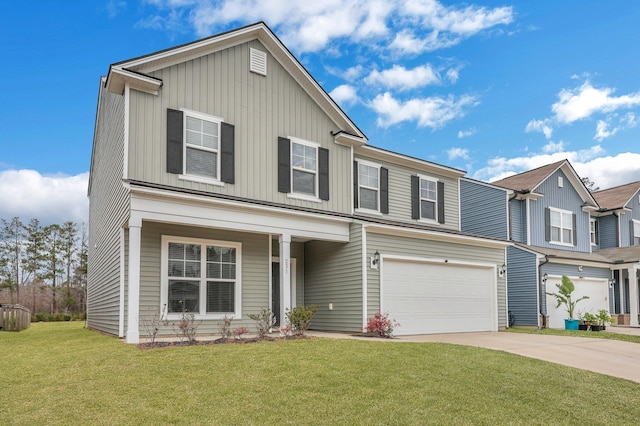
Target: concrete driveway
x=611, y=357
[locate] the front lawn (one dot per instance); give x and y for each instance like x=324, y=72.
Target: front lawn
x=60, y=373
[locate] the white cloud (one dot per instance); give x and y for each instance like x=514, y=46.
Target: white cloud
x=431, y=112
x=51, y=199
x=603, y=132
x=552, y=147
x=586, y=100
x=453, y=74
x=318, y=23
x=454, y=153
x=542, y=126
x=398, y=77
x=589, y=162
x=466, y=133
x=344, y=95
x=604, y=129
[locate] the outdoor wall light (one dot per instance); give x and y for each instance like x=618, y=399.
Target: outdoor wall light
x=612, y=282
x=502, y=270
x=545, y=277
x=375, y=260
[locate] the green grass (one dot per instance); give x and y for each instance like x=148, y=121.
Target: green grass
x=60, y=373
x=578, y=333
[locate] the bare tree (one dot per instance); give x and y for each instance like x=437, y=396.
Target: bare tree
x=52, y=262
x=68, y=239
x=589, y=184
x=11, y=252
x=34, y=260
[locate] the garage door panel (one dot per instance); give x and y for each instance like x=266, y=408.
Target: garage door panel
x=596, y=289
x=438, y=298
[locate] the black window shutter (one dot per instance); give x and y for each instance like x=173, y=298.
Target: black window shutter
x=415, y=197
x=597, y=232
x=440, y=196
x=174, y=141
x=575, y=228
x=547, y=224
x=227, y=153
x=631, y=234
x=384, y=190
x=355, y=185
x=323, y=173
x=284, y=165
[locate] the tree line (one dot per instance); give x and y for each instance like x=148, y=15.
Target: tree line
x=43, y=267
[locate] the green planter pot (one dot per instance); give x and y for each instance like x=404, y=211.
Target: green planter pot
x=571, y=324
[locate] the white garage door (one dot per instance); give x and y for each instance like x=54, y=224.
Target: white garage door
x=428, y=298
x=596, y=289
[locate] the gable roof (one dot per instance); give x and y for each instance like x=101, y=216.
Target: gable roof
x=617, y=197
x=135, y=71
x=529, y=181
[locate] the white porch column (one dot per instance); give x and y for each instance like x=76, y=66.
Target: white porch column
x=633, y=297
x=135, y=231
x=285, y=277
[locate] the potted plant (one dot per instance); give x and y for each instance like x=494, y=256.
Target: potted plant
x=563, y=297
x=604, y=318
x=591, y=321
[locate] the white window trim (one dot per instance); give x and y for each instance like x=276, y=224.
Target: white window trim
x=316, y=172
x=377, y=189
x=164, y=278
x=206, y=117
x=435, y=215
x=635, y=223
x=594, y=242
x=561, y=243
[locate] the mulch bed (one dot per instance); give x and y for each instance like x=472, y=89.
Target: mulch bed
x=219, y=341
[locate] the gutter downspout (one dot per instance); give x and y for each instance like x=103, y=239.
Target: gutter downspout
x=540, y=294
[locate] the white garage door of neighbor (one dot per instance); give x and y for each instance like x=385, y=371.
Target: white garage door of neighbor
x=596, y=289
x=429, y=298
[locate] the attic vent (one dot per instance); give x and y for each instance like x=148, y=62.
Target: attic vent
x=257, y=61
x=560, y=182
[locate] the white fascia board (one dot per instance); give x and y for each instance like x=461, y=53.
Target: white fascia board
x=529, y=196
x=436, y=236
x=403, y=160
x=342, y=138
x=192, y=210
x=118, y=78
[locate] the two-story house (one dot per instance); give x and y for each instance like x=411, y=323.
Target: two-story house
x=619, y=240
x=225, y=180
x=550, y=222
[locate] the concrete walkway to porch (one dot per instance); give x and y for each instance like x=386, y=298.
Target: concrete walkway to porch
x=611, y=357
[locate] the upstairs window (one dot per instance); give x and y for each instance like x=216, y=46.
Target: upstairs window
x=368, y=186
x=200, y=147
x=560, y=227
x=303, y=169
x=635, y=232
x=593, y=231
x=427, y=199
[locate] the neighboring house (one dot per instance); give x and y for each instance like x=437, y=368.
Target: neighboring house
x=551, y=215
x=225, y=180
x=619, y=240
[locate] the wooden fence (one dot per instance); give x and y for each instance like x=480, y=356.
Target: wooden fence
x=14, y=317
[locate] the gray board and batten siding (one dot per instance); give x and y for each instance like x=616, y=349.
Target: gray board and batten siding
x=608, y=231
x=333, y=275
x=565, y=198
x=256, y=267
x=430, y=249
x=109, y=206
x=523, y=289
x=399, y=191
x=626, y=221
x=483, y=209
x=261, y=108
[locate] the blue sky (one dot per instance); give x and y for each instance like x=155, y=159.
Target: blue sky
x=493, y=88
